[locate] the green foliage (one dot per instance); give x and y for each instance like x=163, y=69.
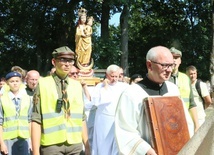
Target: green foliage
x=106, y=53
x=183, y=24
x=31, y=29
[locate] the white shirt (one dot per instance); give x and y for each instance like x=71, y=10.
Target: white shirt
x=198, y=100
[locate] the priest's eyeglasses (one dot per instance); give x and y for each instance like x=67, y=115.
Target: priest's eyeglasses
x=66, y=60
x=165, y=65
x=73, y=73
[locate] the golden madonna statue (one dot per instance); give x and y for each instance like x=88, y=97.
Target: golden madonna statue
x=83, y=40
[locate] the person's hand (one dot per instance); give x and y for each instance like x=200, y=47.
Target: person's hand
x=83, y=83
x=87, y=148
x=106, y=83
x=196, y=128
x=30, y=145
x=4, y=149
x=87, y=151
x=151, y=151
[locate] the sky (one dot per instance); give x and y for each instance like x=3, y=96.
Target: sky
x=115, y=19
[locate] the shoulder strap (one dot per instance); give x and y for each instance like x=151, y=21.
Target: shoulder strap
x=198, y=88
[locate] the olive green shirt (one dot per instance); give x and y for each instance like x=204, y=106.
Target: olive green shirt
x=36, y=114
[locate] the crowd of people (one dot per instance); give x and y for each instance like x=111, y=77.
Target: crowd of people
x=60, y=115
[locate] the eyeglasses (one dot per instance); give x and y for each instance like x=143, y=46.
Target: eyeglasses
x=164, y=65
x=33, y=79
x=66, y=60
x=73, y=73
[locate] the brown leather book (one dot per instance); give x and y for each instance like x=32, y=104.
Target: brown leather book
x=167, y=123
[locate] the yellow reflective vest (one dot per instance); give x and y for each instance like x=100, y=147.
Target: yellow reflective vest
x=56, y=127
x=15, y=125
x=184, y=88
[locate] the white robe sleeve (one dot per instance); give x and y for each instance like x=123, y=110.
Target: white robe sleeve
x=100, y=95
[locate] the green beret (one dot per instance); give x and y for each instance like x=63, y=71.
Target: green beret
x=175, y=52
x=64, y=52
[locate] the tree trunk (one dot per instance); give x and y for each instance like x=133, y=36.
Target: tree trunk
x=124, y=39
x=105, y=21
x=212, y=52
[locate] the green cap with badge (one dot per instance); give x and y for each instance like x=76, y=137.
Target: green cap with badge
x=175, y=52
x=63, y=52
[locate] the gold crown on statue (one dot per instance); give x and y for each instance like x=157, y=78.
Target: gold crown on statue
x=82, y=11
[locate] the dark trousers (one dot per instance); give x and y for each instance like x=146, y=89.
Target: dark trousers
x=17, y=146
x=61, y=149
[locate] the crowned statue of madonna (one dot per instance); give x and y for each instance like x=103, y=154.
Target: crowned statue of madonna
x=83, y=43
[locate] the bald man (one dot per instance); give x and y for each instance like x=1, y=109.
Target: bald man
x=32, y=78
x=131, y=128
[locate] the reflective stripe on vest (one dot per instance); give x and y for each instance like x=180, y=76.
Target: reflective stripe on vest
x=56, y=128
x=15, y=126
x=184, y=88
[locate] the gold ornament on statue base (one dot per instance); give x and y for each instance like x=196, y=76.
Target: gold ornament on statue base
x=86, y=71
